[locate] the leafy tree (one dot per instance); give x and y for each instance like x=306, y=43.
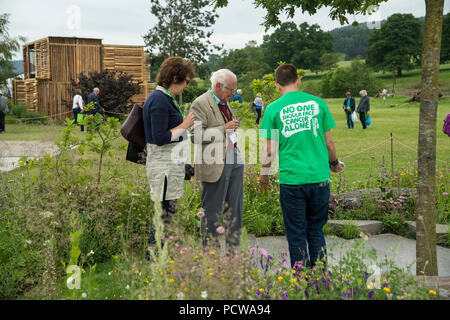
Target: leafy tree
x=445, y=49
x=116, y=89
x=339, y=10
x=353, y=78
x=247, y=63
x=302, y=46
x=396, y=45
x=329, y=60
x=8, y=46
x=351, y=40
x=181, y=30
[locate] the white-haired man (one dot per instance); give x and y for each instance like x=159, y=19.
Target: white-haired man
x=218, y=163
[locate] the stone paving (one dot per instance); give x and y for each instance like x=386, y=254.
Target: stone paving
x=399, y=249
x=11, y=151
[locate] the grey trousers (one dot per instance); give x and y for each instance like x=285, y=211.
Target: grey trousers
x=224, y=200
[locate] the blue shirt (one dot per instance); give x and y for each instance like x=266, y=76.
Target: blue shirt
x=237, y=97
x=160, y=114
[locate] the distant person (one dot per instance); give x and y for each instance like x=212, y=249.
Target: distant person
x=349, y=107
x=93, y=97
x=77, y=107
x=259, y=105
x=384, y=95
x=300, y=124
x=238, y=96
x=363, y=107
x=3, y=111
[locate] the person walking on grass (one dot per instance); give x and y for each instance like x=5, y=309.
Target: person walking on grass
x=77, y=107
x=259, y=105
x=300, y=124
x=363, y=108
x=3, y=111
x=349, y=107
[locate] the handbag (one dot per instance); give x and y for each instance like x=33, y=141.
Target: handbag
x=368, y=120
x=133, y=127
x=80, y=117
x=354, y=117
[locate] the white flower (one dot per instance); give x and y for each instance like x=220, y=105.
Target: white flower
x=109, y=273
x=90, y=253
x=84, y=295
x=47, y=214
x=127, y=287
x=28, y=241
x=180, y=295
x=204, y=294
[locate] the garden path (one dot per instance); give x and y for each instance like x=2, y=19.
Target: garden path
x=399, y=249
x=11, y=151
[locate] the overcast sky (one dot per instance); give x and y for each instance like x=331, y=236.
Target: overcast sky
x=125, y=22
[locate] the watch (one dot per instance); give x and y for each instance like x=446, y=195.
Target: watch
x=334, y=163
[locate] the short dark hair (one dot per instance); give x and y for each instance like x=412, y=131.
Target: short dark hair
x=174, y=67
x=286, y=74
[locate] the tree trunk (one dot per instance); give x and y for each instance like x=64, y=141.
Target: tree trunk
x=399, y=72
x=426, y=263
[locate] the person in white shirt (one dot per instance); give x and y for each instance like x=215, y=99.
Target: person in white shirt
x=384, y=95
x=78, y=106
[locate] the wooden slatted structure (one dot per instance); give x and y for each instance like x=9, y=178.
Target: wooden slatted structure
x=50, y=64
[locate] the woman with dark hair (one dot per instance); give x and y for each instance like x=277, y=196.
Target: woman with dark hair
x=349, y=107
x=165, y=130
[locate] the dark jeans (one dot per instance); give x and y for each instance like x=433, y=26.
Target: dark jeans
x=2, y=121
x=348, y=114
x=76, y=111
x=362, y=118
x=305, y=212
x=258, y=111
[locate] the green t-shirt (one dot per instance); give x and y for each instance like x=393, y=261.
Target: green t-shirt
x=301, y=120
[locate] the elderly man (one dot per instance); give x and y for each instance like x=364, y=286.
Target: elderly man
x=218, y=163
x=93, y=97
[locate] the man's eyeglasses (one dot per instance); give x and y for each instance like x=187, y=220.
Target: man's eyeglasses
x=233, y=91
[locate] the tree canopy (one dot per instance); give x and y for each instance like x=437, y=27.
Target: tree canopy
x=181, y=30
x=397, y=45
x=303, y=45
x=445, y=48
x=338, y=9
x=8, y=46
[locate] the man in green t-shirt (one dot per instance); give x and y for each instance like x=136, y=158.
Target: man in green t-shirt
x=300, y=124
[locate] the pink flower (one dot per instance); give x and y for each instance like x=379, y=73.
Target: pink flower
x=251, y=251
x=201, y=214
x=263, y=252
x=220, y=230
x=445, y=193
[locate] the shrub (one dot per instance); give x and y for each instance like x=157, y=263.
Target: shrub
x=20, y=110
x=354, y=79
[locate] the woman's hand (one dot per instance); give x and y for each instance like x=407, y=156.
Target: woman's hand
x=188, y=121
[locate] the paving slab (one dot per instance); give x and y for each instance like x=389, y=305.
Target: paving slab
x=441, y=229
x=399, y=249
x=12, y=151
x=371, y=227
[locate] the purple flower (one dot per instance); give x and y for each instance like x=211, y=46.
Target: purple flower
x=306, y=293
x=371, y=294
x=445, y=193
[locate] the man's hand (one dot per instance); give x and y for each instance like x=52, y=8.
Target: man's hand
x=264, y=182
x=336, y=168
x=231, y=125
